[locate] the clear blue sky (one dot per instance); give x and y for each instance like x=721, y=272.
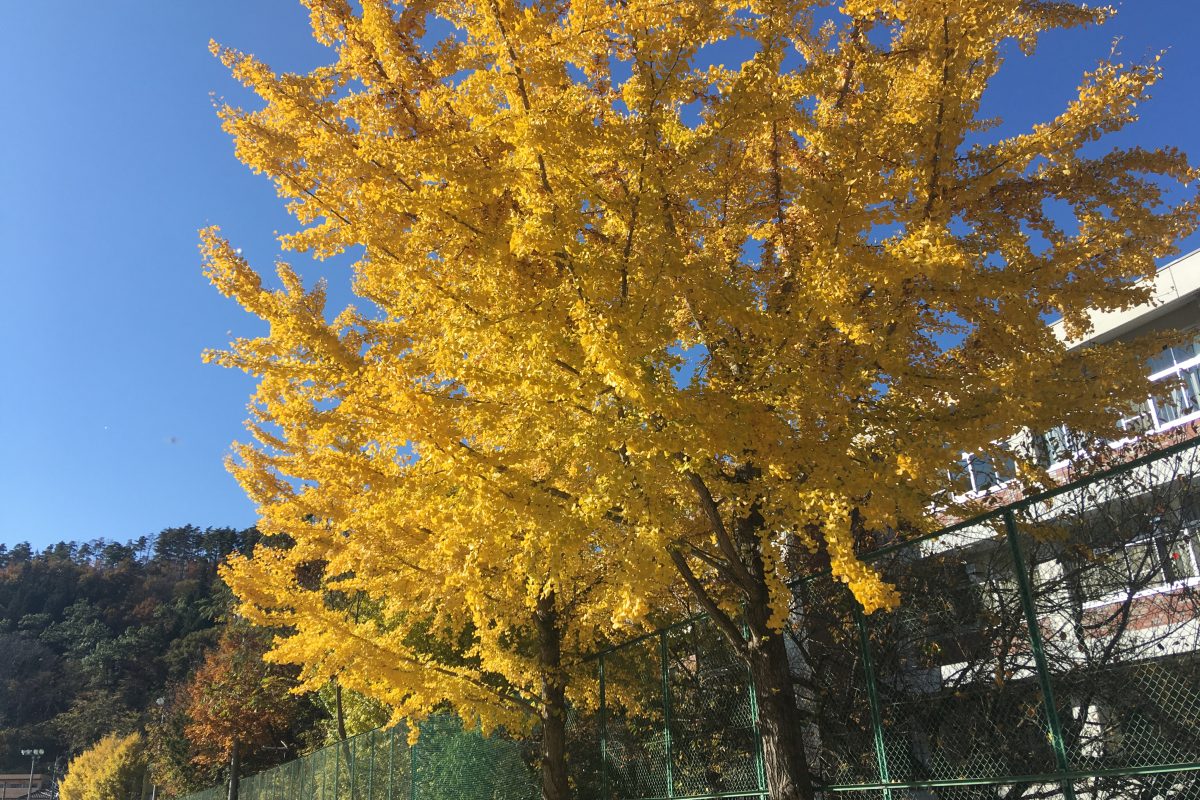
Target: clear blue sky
x=111, y=159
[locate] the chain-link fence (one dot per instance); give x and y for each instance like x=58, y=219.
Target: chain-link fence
x=1049, y=648
x=447, y=763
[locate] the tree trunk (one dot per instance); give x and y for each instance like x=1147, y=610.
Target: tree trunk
x=337, y=706
x=343, y=741
x=779, y=720
x=554, y=703
x=740, y=567
x=235, y=767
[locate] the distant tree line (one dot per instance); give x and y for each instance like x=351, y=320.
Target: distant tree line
x=93, y=633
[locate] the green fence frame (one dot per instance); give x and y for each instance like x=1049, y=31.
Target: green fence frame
x=693, y=735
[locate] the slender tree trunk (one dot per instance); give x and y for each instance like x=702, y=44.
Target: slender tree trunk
x=340, y=717
x=741, y=567
x=347, y=752
x=337, y=706
x=554, y=703
x=235, y=767
x=780, y=723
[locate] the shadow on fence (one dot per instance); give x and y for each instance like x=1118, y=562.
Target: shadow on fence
x=1050, y=648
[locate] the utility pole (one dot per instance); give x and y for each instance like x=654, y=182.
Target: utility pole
x=162, y=716
x=33, y=757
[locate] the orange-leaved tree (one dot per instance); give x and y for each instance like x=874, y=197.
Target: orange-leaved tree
x=236, y=703
x=721, y=287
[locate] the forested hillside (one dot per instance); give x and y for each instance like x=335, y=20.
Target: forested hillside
x=92, y=633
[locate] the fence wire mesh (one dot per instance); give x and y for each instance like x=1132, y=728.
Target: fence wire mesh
x=1046, y=649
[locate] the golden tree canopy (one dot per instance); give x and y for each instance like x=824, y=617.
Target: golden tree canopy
x=112, y=769
x=565, y=207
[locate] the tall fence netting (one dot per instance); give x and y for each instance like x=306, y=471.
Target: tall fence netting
x=1046, y=649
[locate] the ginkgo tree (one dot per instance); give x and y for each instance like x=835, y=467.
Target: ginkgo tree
x=703, y=291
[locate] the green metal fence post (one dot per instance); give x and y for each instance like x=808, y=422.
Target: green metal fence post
x=760, y=754
x=1039, y=655
x=391, y=762
x=371, y=768
x=666, y=690
x=864, y=643
x=412, y=771
x=337, y=770
x=603, y=722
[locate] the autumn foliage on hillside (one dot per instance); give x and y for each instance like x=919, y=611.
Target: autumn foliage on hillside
x=93, y=632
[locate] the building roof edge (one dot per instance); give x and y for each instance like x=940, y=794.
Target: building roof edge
x=1174, y=283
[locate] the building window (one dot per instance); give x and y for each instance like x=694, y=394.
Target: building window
x=1165, y=554
x=1137, y=419
x=1178, y=366
x=1060, y=444
x=978, y=473
x=1173, y=357
x=1177, y=370
x=1184, y=397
